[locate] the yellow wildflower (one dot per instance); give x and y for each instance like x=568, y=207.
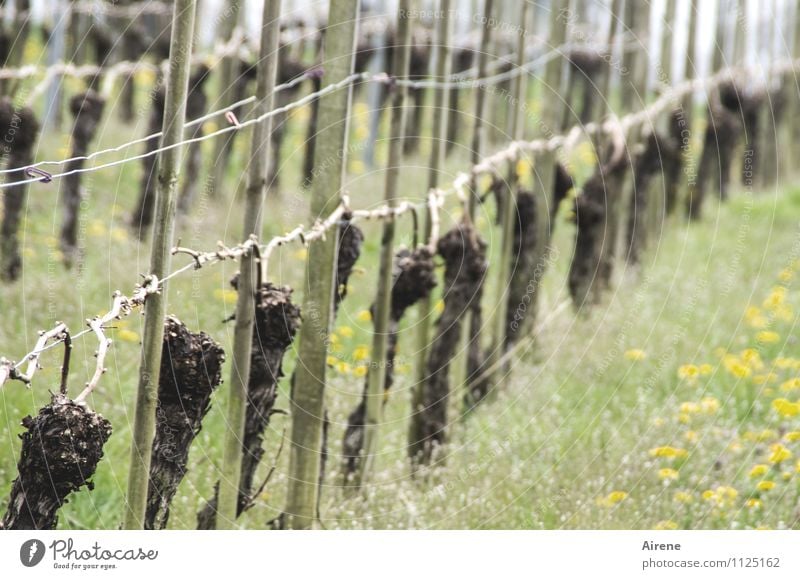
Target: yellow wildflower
x=765, y=485
x=361, y=353
x=792, y=436
x=360, y=371
x=612, y=499
x=789, y=385
x=439, y=307
x=666, y=526
x=690, y=408
x=691, y=436
x=752, y=358
x=523, y=168
x=736, y=368
x=228, y=296
x=735, y=446
x=779, y=453
x=775, y=298
x=785, y=408
x=754, y=503
x=688, y=372
x=343, y=368
x=364, y=316
x=635, y=354
x=786, y=274
x=723, y=495
x=345, y=332
x=706, y=369
x=668, y=474
x=683, y=497
x=768, y=337
x=709, y=405
x=331, y=360
x=668, y=452
x=754, y=318
x=617, y=496
x=759, y=470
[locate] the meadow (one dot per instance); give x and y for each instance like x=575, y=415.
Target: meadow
x=673, y=404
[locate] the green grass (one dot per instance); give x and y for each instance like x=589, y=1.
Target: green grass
x=574, y=421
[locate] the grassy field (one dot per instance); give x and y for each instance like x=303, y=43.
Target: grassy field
x=673, y=405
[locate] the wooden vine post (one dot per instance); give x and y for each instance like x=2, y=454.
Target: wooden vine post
x=772, y=113
x=308, y=389
x=708, y=154
x=474, y=391
x=169, y=163
x=507, y=223
x=545, y=162
x=635, y=225
x=226, y=90
x=688, y=178
x=479, y=129
x=620, y=190
x=664, y=204
x=377, y=371
x=438, y=149
x=245, y=305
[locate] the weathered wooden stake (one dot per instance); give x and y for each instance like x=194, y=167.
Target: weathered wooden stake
x=308, y=389
x=507, y=223
x=245, y=306
x=476, y=389
x=228, y=70
x=169, y=164
x=438, y=148
x=545, y=162
x=377, y=372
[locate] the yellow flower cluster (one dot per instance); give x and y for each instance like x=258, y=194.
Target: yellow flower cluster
x=668, y=452
x=668, y=474
x=786, y=408
x=708, y=405
x=613, y=498
x=666, y=526
x=722, y=496
x=779, y=453
x=691, y=372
